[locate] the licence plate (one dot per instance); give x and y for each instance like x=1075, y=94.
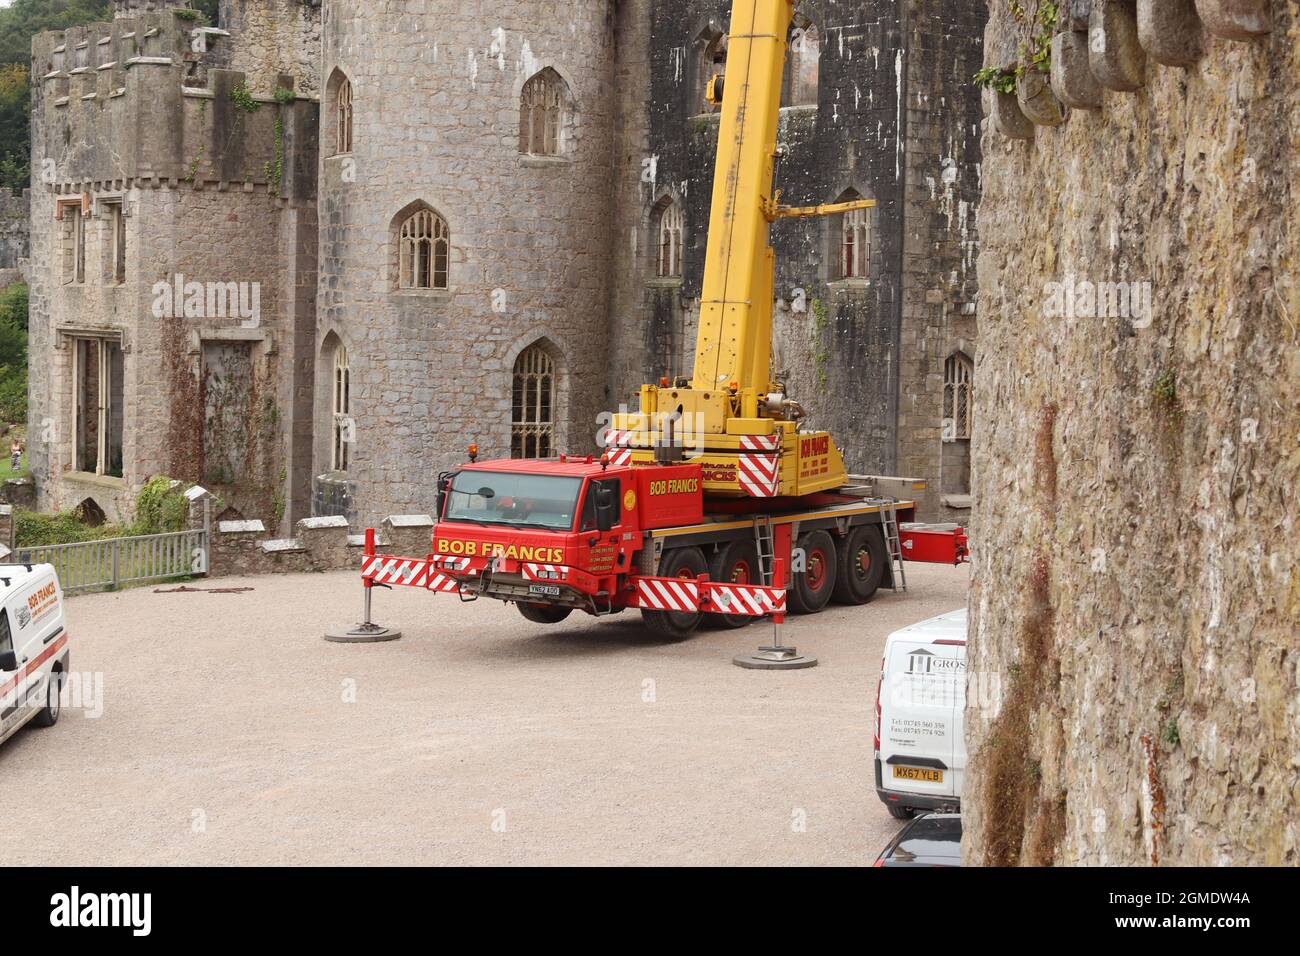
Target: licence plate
x=545, y=590
x=923, y=774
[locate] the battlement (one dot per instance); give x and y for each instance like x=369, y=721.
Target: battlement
x=144, y=99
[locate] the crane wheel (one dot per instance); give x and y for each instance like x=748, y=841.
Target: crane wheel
x=862, y=562
x=811, y=589
x=736, y=562
x=544, y=613
x=678, y=563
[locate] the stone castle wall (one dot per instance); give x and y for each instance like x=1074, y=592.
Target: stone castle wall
x=436, y=122
x=1135, y=590
x=895, y=121
x=214, y=192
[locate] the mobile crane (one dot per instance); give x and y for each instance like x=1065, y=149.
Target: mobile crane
x=648, y=526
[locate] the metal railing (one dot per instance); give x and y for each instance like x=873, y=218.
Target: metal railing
x=112, y=562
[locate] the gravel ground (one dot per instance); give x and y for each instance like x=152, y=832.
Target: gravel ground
x=231, y=733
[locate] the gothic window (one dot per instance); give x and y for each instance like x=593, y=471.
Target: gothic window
x=543, y=115
x=533, y=405
x=97, y=383
x=958, y=404
x=343, y=118
x=850, y=235
x=341, y=407
x=669, y=265
x=713, y=63
x=424, y=246
x=805, y=61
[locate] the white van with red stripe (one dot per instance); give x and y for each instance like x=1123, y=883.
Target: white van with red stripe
x=33, y=646
x=920, y=705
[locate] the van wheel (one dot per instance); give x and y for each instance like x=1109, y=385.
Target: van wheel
x=48, y=715
x=812, y=589
x=678, y=563
x=900, y=812
x=736, y=562
x=545, y=613
x=862, y=561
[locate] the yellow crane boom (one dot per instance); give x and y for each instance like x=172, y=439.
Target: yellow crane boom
x=731, y=412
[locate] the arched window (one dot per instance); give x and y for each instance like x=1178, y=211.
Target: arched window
x=533, y=405
x=958, y=404
x=543, y=110
x=424, y=247
x=343, y=118
x=805, y=62
x=341, y=405
x=850, y=245
x=669, y=264
x=713, y=62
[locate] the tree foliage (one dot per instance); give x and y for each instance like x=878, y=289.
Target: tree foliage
x=19, y=22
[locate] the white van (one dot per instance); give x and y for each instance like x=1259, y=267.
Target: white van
x=920, y=747
x=33, y=646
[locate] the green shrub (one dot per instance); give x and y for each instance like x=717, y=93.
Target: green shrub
x=31, y=528
x=161, y=506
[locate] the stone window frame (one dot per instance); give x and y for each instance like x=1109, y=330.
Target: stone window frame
x=958, y=397
x=113, y=209
x=864, y=224
x=534, y=400
x=710, y=42
x=546, y=100
x=407, y=230
x=800, y=28
x=103, y=342
x=341, y=421
x=343, y=118
x=72, y=213
x=669, y=229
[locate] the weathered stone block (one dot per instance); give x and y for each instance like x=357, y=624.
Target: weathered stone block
x=1072, y=79
x=410, y=535
x=1114, y=51
x=1037, y=101
x=326, y=541
x=1009, y=119
x=1170, y=31
x=1236, y=19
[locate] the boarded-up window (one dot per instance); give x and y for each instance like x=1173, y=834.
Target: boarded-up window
x=533, y=405
x=229, y=422
x=805, y=63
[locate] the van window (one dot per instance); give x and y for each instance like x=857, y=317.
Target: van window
x=6, y=639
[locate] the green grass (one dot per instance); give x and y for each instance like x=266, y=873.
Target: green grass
x=7, y=471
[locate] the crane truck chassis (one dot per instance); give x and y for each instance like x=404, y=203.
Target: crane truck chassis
x=765, y=519
x=558, y=535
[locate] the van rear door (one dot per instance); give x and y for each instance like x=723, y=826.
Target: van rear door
x=920, y=729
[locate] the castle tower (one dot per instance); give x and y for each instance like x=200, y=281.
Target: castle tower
x=465, y=242
x=173, y=270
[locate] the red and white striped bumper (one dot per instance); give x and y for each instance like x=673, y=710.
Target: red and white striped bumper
x=759, y=465
x=689, y=595
x=407, y=572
